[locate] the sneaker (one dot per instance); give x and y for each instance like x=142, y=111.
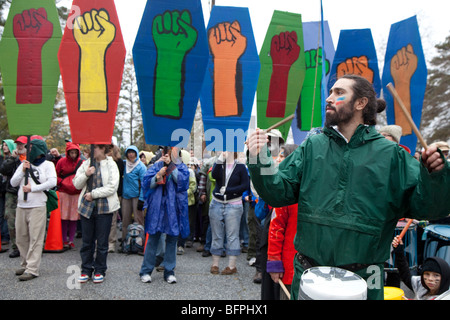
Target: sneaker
x=146, y=278
x=83, y=278
x=71, y=245
x=171, y=279
x=251, y=262
x=98, y=278
x=180, y=250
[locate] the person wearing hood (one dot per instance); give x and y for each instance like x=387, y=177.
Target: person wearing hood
x=352, y=186
x=9, y=165
x=146, y=157
x=434, y=274
x=31, y=212
x=66, y=168
x=132, y=194
x=165, y=187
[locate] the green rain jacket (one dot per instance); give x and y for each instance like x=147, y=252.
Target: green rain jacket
x=351, y=195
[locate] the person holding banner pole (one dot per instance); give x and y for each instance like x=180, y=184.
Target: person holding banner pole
x=98, y=180
x=31, y=213
x=165, y=187
x=352, y=186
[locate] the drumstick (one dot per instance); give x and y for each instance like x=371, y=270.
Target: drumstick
x=284, y=288
x=402, y=234
x=407, y=115
x=279, y=124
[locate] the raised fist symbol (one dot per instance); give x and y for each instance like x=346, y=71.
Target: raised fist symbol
x=227, y=44
x=403, y=67
x=356, y=65
x=31, y=30
x=93, y=33
x=174, y=36
x=309, y=113
x=284, y=51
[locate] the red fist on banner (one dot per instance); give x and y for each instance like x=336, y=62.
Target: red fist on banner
x=32, y=30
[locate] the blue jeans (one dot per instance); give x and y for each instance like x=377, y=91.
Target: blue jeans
x=95, y=230
x=150, y=255
x=225, y=219
x=243, y=233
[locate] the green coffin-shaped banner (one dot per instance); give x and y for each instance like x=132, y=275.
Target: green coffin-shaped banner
x=29, y=65
x=282, y=73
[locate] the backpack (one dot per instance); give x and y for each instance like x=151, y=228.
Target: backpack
x=134, y=241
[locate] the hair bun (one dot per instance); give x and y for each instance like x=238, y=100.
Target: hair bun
x=381, y=105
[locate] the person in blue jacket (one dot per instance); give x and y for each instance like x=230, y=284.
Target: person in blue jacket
x=165, y=187
x=132, y=194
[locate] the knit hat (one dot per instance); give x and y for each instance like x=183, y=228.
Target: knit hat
x=393, y=130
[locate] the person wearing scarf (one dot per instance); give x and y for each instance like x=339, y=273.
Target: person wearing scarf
x=132, y=194
x=98, y=200
x=31, y=213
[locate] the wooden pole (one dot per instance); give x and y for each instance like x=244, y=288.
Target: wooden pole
x=407, y=115
x=279, y=124
x=286, y=291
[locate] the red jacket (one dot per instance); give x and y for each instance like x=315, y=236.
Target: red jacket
x=281, y=251
x=66, y=166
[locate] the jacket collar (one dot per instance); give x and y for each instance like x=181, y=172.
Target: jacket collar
x=362, y=135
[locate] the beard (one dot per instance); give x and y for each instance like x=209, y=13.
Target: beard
x=341, y=116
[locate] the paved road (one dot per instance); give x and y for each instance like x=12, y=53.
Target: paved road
x=58, y=274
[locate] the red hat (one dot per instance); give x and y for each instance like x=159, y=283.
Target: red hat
x=36, y=137
x=22, y=139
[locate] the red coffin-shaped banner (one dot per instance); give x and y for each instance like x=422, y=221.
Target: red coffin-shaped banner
x=91, y=58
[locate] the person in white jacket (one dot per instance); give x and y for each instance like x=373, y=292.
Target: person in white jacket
x=31, y=212
x=96, y=204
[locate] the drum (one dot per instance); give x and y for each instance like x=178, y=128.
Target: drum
x=331, y=283
x=410, y=244
x=393, y=293
x=437, y=243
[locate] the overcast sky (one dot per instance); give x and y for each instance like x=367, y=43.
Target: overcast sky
x=378, y=15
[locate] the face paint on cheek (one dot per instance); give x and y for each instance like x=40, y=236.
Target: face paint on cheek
x=340, y=101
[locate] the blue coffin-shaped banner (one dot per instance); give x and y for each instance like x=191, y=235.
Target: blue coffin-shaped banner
x=170, y=57
x=356, y=54
x=230, y=81
x=406, y=69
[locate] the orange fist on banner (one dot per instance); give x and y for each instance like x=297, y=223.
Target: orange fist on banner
x=227, y=45
x=358, y=66
x=403, y=67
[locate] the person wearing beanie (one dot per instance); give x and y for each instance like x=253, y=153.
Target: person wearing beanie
x=391, y=132
x=31, y=212
x=434, y=274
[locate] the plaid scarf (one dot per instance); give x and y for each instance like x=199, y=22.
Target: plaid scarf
x=86, y=207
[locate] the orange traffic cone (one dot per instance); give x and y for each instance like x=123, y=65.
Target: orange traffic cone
x=2, y=250
x=54, y=240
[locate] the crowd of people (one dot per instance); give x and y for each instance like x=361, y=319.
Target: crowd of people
x=314, y=205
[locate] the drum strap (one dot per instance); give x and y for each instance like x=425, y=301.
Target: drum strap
x=307, y=263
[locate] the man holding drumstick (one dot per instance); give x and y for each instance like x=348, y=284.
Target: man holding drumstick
x=352, y=186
